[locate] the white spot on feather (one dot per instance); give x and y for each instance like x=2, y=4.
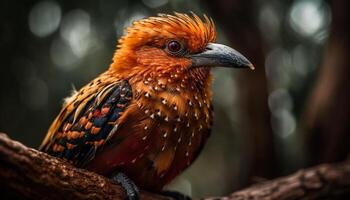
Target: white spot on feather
x=164, y=101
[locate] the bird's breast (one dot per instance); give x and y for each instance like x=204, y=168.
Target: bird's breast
x=174, y=122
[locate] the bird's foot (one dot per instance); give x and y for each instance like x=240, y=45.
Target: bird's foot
x=129, y=186
x=175, y=195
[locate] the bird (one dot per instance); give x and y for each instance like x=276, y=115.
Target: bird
x=147, y=117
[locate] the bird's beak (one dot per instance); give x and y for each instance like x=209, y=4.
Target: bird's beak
x=220, y=55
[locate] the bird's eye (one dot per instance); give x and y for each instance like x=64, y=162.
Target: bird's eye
x=175, y=48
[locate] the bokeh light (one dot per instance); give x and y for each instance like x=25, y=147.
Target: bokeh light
x=280, y=104
x=44, y=18
x=278, y=65
x=76, y=31
x=307, y=17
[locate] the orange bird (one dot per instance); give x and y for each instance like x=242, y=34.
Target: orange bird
x=148, y=116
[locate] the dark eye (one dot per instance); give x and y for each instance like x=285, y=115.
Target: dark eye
x=175, y=48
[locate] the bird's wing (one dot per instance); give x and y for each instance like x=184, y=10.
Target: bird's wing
x=84, y=125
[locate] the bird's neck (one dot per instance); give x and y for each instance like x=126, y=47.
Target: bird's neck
x=196, y=80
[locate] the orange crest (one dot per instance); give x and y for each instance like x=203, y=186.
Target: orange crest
x=195, y=32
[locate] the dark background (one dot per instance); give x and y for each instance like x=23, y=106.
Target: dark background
x=291, y=112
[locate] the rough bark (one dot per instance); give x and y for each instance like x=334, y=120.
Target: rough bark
x=238, y=18
x=327, y=181
x=326, y=119
x=26, y=173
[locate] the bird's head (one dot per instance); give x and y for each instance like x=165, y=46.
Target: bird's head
x=176, y=45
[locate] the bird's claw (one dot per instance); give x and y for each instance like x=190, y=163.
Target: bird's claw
x=128, y=185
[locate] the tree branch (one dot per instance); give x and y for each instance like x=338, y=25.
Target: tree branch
x=320, y=182
x=31, y=174
x=28, y=173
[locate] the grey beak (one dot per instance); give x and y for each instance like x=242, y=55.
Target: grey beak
x=220, y=55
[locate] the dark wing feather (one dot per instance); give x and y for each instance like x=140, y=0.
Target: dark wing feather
x=89, y=125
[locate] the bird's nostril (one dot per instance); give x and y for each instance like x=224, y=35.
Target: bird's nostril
x=208, y=48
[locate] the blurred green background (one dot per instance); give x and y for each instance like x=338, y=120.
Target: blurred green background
x=291, y=112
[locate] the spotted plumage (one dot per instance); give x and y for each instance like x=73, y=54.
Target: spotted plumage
x=149, y=115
